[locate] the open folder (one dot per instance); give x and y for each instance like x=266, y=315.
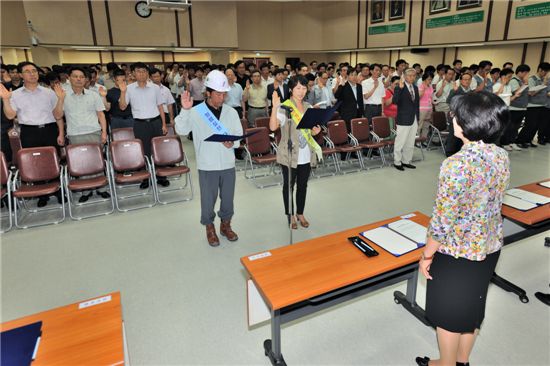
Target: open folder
x=528, y=196
x=545, y=184
x=398, y=237
x=314, y=117
x=518, y=203
x=224, y=138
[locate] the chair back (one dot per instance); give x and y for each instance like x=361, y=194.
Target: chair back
x=127, y=155
x=360, y=129
x=85, y=159
x=337, y=132
x=262, y=122
x=259, y=142
x=119, y=134
x=15, y=144
x=4, y=172
x=166, y=150
x=381, y=127
x=38, y=164
x=439, y=120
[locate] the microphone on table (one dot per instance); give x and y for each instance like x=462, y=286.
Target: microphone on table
x=286, y=108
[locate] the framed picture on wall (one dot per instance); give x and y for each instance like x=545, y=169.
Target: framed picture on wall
x=466, y=4
x=377, y=13
x=439, y=6
x=397, y=9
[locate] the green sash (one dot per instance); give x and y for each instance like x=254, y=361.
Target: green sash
x=297, y=117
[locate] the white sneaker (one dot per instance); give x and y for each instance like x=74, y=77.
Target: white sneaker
x=515, y=147
x=508, y=147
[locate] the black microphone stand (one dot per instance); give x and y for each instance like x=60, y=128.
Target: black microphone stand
x=289, y=177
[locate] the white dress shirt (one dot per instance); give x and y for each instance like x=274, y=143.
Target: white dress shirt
x=144, y=101
x=35, y=107
x=379, y=93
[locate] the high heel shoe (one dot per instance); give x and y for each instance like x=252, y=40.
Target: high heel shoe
x=422, y=361
x=303, y=221
x=292, y=222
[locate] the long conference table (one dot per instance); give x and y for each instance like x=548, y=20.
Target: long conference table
x=519, y=225
x=89, y=332
x=307, y=277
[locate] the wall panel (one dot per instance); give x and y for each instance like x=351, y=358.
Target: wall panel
x=13, y=27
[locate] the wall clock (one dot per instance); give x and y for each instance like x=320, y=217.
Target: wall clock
x=143, y=10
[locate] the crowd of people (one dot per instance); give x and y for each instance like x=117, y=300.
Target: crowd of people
x=59, y=105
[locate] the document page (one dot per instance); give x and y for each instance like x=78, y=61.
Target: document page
x=528, y=196
x=410, y=229
x=537, y=88
x=517, y=203
x=390, y=240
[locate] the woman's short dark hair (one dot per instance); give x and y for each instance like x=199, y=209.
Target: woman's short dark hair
x=394, y=78
x=482, y=115
x=427, y=75
x=295, y=80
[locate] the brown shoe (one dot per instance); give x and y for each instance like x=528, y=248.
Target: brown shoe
x=303, y=221
x=225, y=230
x=211, y=235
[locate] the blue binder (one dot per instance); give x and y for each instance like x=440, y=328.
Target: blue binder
x=17, y=345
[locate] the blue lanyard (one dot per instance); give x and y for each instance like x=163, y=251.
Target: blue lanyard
x=210, y=119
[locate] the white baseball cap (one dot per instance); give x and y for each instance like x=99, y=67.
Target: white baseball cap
x=217, y=80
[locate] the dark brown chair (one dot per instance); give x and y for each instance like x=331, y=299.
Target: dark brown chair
x=382, y=132
x=119, y=134
x=129, y=167
x=328, y=152
x=360, y=133
x=86, y=170
x=39, y=174
x=258, y=152
x=171, y=130
x=5, y=181
x=169, y=160
x=15, y=144
x=338, y=137
x=438, y=127
x=262, y=122
x=335, y=116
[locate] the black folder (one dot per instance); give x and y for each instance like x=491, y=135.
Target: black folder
x=314, y=117
x=224, y=138
x=17, y=345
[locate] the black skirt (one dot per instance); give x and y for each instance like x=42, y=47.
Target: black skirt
x=456, y=296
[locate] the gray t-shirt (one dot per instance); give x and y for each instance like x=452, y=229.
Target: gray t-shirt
x=81, y=112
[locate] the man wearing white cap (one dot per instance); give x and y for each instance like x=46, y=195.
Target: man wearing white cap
x=215, y=160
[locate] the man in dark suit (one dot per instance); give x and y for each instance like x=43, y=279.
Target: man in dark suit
x=279, y=86
x=406, y=97
x=350, y=94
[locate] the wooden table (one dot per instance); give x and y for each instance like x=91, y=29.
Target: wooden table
x=301, y=279
x=92, y=335
x=532, y=222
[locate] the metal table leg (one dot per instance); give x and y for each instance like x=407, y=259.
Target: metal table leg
x=272, y=347
x=510, y=287
x=409, y=300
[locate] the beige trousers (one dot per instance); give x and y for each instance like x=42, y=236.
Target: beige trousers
x=404, y=144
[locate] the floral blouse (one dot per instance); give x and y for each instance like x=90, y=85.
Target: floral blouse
x=466, y=218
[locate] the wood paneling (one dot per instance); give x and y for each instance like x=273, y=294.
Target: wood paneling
x=13, y=27
x=214, y=24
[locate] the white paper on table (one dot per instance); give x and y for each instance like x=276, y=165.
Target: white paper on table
x=517, y=203
x=410, y=229
x=528, y=196
x=537, y=88
x=390, y=240
x=545, y=184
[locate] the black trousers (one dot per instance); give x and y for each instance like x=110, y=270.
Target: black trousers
x=239, y=111
x=372, y=110
x=34, y=136
x=299, y=176
x=544, y=130
x=534, y=120
x=5, y=144
x=146, y=130
x=510, y=133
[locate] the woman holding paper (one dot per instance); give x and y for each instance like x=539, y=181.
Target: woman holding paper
x=305, y=150
x=465, y=232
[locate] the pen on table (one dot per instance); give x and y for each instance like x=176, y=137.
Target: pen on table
x=358, y=247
